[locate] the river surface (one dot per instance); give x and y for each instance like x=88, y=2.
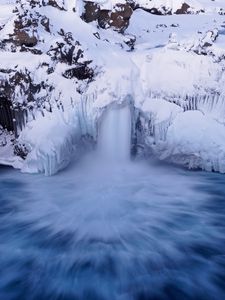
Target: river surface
x=126, y=231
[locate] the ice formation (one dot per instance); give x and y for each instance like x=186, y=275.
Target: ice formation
x=64, y=65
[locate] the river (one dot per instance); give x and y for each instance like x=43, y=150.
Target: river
x=133, y=231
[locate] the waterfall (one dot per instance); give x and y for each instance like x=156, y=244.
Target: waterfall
x=115, y=135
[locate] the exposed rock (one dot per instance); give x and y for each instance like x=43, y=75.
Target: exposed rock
x=68, y=51
x=25, y=28
x=6, y=114
x=45, y=23
x=183, y=10
x=91, y=12
x=31, y=50
x=55, y=3
x=104, y=18
x=26, y=93
x=118, y=18
x=21, y=150
x=130, y=41
x=23, y=82
x=157, y=11
x=23, y=38
x=80, y=72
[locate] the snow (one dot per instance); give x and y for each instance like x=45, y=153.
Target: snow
x=161, y=109
x=6, y=12
x=154, y=30
x=174, y=4
x=162, y=77
x=202, y=142
x=174, y=74
x=108, y=4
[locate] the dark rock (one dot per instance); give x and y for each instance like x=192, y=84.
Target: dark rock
x=64, y=53
x=97, y=35
x=31, y=50
x=81, y=72
x=118, y=18
x=104, y=18
x=130, y=41
x=155, y=11
x=53, y=3
x=21, y=151
x=45, y=23
x=23, y=38
x=6, y=114
x=91, y=12
x=183, y=10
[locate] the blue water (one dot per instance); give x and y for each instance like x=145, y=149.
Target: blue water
x=139, y=231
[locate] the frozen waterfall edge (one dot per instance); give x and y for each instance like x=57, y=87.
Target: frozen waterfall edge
x=188, y=138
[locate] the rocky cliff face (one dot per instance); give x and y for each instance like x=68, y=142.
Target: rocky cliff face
x=28, y=33
x=63, y=62
x=119, y=14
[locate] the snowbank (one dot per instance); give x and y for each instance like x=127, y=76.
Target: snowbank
x=196, y=140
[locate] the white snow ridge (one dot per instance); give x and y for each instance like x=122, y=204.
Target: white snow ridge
x=151, y=71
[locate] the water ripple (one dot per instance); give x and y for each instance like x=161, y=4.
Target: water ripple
x=142, y=231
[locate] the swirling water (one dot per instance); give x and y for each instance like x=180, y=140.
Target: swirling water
x=132, y=231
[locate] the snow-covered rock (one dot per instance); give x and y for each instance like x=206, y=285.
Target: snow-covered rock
x=64, y=62
x=201, y=145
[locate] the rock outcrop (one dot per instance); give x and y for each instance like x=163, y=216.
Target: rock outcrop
x=117, y=18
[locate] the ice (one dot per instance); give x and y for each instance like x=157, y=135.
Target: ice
x=52, y=142
x=164, y=75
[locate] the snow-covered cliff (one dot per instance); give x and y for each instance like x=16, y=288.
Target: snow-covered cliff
x=63, y=62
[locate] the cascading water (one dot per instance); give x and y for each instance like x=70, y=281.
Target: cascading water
x=115, y=134
x=139, y=230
